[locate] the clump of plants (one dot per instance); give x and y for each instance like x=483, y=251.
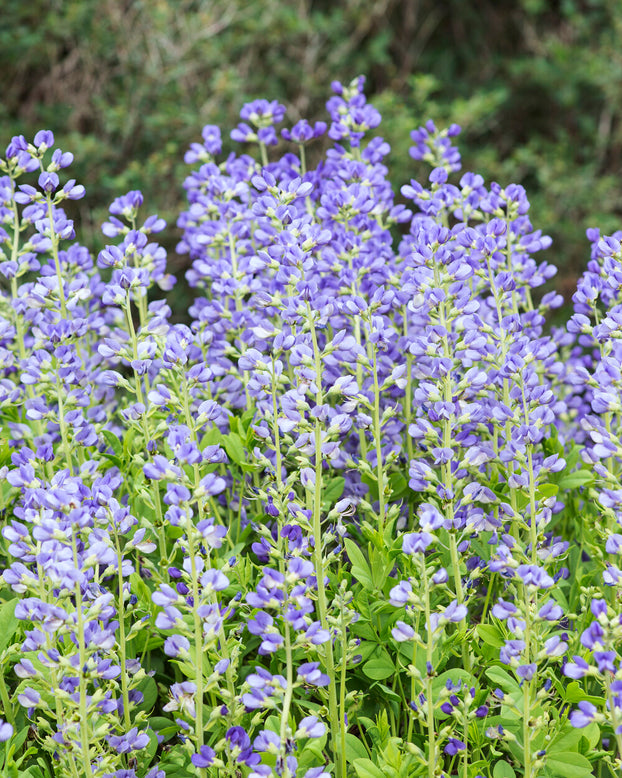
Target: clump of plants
x=361, y=518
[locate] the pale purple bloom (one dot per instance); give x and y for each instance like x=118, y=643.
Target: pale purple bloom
x=576, y=669
x=586, y=714
x=130, y=741
x=310, y=726
x=402, y=632
x=310, y=673
x=204, y=758
x=6, y=731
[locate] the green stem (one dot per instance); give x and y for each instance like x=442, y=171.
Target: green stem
x=122, y=641
x=287, y=699
x=428, y=680
x=527, y=688
x=276, y=431
x=527, y=728
x=615, y=720
x=465, y=756
x=191, y=529
x=342, y=691
x=409, y=390
x=73, y=766
x=446, y=474
x=155, y=489
x=303, y=160
x=198, y=633
x=359, y=377
x=63, y=424
x=340, y=764
x=84, y=720
x=413, y=689
x=54, y=241
x=264, y=154
x=378, y=444
x=6, y=702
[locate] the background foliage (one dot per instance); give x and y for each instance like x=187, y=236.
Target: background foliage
x=128, y=84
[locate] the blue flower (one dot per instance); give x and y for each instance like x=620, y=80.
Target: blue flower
x=204, y=757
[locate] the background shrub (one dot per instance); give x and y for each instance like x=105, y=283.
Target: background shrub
x=128, y=84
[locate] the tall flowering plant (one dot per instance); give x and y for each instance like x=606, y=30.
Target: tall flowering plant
x=357, y=517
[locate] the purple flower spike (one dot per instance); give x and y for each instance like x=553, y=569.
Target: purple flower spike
x=44, y=140
x=310, y=673
x=6, y=731
x=455, y=612
x=576, y=669
x=402, y=632
x=130, y=741
x=454, y=746
x=535, y=576
x=240, y=745
x=400, y=594
x=176, y=645
x=267, y=741
x=204, y=758
x=503, y=610
x=527, y=672
x=416, y=542
x=29, y=698
x=310, y=726
x=584, y=716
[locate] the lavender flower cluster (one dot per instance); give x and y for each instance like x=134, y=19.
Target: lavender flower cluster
x=361, y=517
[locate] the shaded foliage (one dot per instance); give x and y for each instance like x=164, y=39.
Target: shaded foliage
x=127, y=84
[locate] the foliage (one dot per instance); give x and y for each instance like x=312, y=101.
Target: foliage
x=360, y=518
x=534, y=84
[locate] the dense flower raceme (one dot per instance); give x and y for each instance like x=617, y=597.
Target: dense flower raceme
x=359, y=515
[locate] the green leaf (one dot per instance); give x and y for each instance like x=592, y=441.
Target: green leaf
x=576, y=479
x=398, y=484
x=163, y=726
x=503, y=770
x=572, y=457
x=388, y=693
x=128, y=442
x=567, y=740
x=175, y=764
x=547, y=490
x=311, y=754
x=365, y=768
x=149, y=752
x=5, y=452
x=455, y=675
x=14, y=745
x=568, y=764
x=150, y=693
x=333, y=490
x=355, y=749
x=113, y=441
x=141, y=590
x=211, y=437
x=592, y=734
x=360, y=569
x=380, y=666
x=503, y=679
x=478, y=768
x=574, y=693
x=490, y=634
x=235, y=449
x=9, y=624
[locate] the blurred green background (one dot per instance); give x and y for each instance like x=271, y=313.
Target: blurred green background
x=126, y=85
